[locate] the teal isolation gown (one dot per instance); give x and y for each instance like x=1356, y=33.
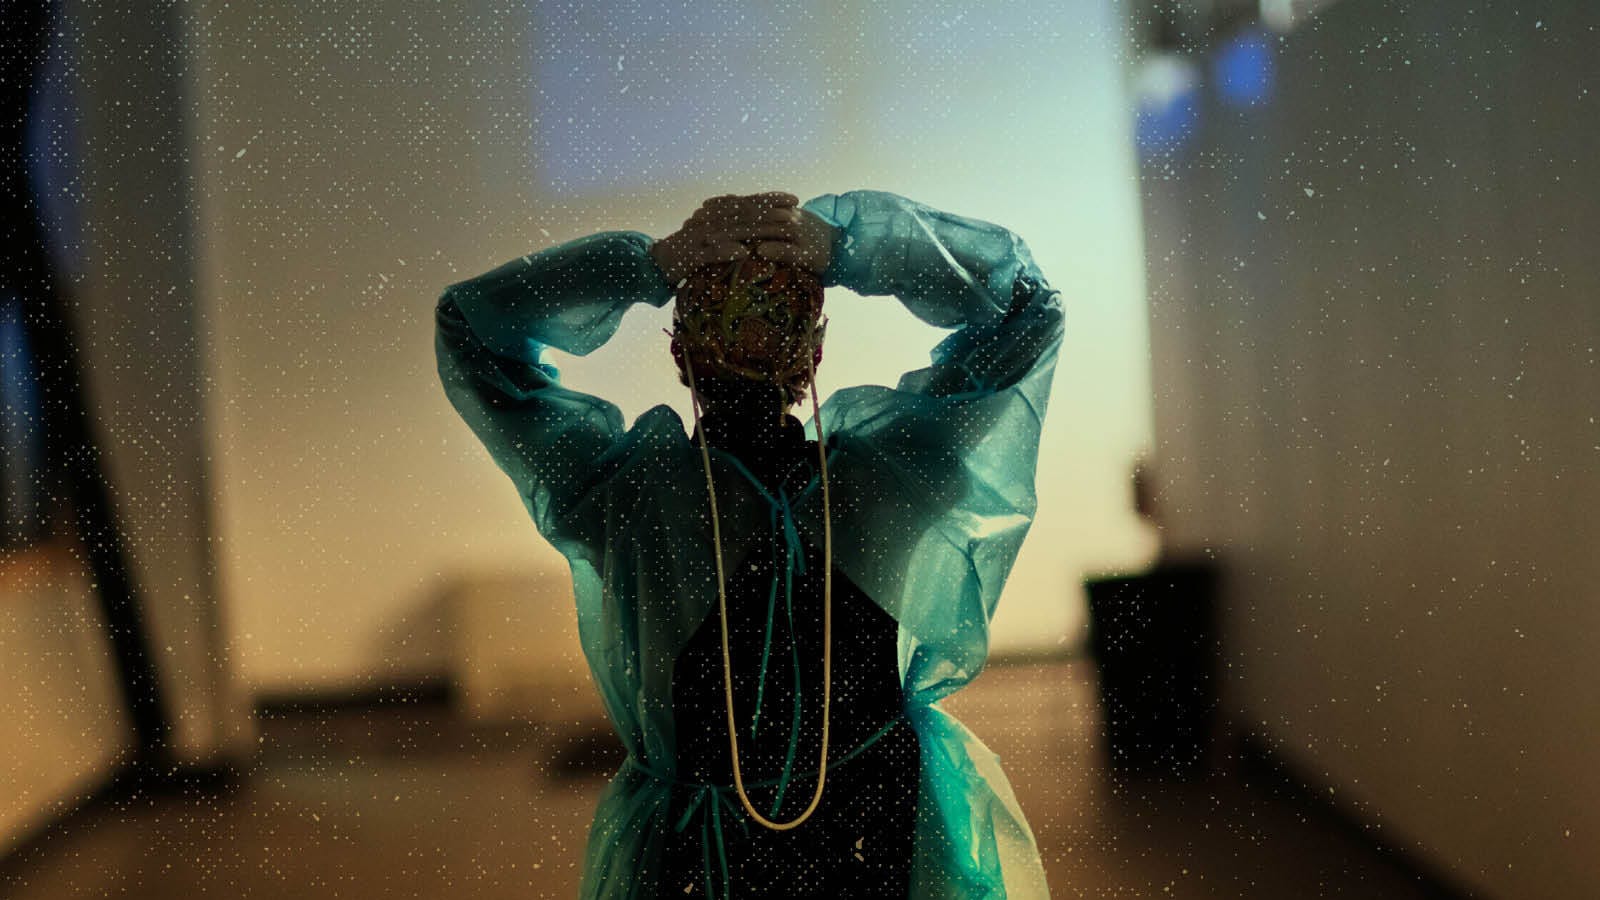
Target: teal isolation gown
x=932, y=493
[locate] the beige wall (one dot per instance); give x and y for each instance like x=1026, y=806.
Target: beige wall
x=1374, y=332
x=63, y=722
x=356, y=158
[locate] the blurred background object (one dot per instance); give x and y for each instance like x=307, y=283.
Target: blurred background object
x=514, y=657
x=1153, y=638
x=1327, y=270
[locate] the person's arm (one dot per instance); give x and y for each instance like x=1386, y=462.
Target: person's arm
x=490, y=338
x=950, y=271
x=943, y=466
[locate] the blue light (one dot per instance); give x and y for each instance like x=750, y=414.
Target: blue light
x=21, y=434
x=1243, y=68
x=1168, y=104
x=1167, y=127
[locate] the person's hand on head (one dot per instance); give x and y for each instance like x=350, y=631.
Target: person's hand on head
x=794, y=236
x=718, y=232
x=732, y=226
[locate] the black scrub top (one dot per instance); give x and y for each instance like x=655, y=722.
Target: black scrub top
x=858, y=843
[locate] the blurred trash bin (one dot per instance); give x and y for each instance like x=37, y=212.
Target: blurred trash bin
x=1153, y=640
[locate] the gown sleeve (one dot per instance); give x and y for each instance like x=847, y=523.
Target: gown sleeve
x=948, y=489
x=556, y=444
x=943, y=482
x=951, y=272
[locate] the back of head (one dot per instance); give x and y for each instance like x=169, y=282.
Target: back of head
x=751, y=319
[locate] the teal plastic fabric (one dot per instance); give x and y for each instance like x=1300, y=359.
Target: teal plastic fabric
x=932, y=486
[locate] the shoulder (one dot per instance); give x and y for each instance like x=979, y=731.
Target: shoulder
x=652, y=456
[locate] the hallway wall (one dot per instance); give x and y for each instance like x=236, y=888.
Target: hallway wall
x=135, y=306
x=1374, y=331
x=111, y=175
x=63, y=722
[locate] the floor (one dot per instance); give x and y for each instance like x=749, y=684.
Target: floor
x=404, y=801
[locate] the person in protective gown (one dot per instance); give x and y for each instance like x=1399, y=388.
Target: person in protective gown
x=773, y=610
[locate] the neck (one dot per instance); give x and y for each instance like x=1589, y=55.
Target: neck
x=746, y=415
x=731, y=427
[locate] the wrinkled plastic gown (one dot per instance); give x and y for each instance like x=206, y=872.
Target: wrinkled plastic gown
x=932, y=493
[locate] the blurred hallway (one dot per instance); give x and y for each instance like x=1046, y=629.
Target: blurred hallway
x=403, y=801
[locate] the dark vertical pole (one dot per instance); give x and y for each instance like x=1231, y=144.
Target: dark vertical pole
x=25, y=270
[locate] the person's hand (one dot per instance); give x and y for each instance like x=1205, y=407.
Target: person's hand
x=733, y=227
x=722, y=230
x=798, y=237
